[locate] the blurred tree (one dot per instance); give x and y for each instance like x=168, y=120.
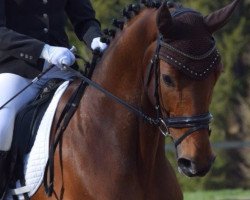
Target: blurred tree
x=107, y=10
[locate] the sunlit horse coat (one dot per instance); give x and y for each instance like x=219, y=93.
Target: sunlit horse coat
x=26, y=25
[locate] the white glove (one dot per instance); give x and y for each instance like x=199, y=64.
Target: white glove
x=96, y=43
x=59, y=56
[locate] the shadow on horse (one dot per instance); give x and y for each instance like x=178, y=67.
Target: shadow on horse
x=163, y=66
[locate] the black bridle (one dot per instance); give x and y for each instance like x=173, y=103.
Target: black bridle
x=194, y=123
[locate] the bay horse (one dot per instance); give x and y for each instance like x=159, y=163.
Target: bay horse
x=165, y=63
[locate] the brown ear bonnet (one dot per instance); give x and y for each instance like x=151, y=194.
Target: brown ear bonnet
x=189, y=46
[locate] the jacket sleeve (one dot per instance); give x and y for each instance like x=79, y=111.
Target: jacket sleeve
x=82, y=16
x=18, y=45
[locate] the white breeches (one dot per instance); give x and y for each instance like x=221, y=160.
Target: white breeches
x=11, y=84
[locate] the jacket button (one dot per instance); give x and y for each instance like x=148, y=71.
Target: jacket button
x=45, y=30
x=21, y=54
x=45, y=1
x=45, y=15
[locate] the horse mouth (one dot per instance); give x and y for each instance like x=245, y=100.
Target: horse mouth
x=192, y=173
x=190, y=169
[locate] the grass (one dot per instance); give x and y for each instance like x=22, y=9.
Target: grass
x=218, y=195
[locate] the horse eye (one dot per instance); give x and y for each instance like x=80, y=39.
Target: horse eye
x=167, y=79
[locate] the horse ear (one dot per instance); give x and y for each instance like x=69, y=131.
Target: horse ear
x=219, y=18
x=164, y=19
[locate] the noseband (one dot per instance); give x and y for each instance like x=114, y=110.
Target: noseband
x=194, y=123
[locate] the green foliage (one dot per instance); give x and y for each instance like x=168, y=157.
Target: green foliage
x=80, y=46
x=237, y=194
x=107, y=10
x=227, y=88
x=203, y=6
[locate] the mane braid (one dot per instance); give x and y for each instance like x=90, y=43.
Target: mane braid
x=129, y=12
x=151, y=4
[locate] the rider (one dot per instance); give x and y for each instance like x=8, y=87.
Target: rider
x=32, y=37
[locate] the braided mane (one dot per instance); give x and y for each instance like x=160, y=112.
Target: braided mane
x=129, y=12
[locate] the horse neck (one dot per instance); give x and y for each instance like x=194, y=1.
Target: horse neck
x=121, y=73
x=122, y=68
x=122, y=63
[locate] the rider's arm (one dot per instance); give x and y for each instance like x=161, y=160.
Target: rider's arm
x=82, y=16
x=30, y=49
x=18, y=45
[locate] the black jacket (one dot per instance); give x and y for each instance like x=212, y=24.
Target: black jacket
x=26, y=25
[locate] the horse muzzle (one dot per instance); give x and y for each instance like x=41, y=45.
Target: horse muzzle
x=191, y=168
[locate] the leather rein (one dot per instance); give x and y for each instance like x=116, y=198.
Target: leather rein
x=194, y=123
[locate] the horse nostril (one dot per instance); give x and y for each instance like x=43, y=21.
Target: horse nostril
x=184, y=163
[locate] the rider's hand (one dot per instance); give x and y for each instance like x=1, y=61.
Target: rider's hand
x=59, y=56
x=97, y=44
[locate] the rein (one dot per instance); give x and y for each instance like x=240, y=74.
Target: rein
x=139, y=113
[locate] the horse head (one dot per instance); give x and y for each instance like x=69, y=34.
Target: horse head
x=187, y=65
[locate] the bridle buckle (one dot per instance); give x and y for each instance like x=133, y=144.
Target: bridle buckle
x=163, y=127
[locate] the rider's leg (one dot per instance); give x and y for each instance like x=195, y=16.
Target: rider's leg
x=10, y=84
